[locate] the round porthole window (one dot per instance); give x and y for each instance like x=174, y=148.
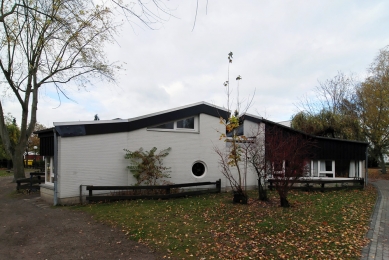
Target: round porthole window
x=198, y=169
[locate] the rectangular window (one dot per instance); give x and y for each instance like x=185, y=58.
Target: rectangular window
x=237, y=131
x=326, y=166
x=169, y=125
x=326, y=169
x=183, y=125
x=354, y=170
x=187, y=123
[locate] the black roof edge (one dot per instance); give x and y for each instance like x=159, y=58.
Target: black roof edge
x=45, y=132
x=147, y=121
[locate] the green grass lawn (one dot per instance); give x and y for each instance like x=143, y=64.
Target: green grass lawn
x=318, y=225
x=4, y=173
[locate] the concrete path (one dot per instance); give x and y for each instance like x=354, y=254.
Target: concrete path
x=378, y=248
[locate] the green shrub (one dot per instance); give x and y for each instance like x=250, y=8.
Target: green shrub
x=147, y=166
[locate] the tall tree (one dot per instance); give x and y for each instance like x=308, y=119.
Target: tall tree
x=149, y=13
x=53, y=42
x=49, y=43
x=13, y=133
x=332, y=112
x=330, y=95
x=373, y=101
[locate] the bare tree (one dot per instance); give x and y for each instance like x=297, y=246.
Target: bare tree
x=332, y=111
x=149, y=13
x=330, y=95
x=287, y=156
x=233, y=164
x=256, y=151
x=49, y=43
x=56, y=42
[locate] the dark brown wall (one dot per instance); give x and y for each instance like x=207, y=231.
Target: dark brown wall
x=328, y=148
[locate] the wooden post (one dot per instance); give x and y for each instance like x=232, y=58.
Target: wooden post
x=90, y=191
x=219, y=185
x=322, y=187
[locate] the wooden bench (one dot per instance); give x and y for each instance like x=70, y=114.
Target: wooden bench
x=35, y=178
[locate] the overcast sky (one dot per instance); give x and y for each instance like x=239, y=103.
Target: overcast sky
x=281, y=49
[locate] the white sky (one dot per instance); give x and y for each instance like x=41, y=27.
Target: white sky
x=281, y=49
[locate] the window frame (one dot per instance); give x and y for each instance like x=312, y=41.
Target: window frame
x=205, y=169
x=355, y=169
x=175, y=128
x=49, y=171
x=316, y=172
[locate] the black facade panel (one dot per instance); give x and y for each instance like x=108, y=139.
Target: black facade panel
x=96, y=129
x=327, y=148
x=70, y=130
x=47, y=146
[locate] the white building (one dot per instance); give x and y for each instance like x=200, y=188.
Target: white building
x=91, y=152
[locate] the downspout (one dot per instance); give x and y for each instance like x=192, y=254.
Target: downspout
x=366, y=166
x=55, y=167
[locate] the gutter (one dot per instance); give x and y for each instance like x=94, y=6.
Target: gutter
x=55, y=167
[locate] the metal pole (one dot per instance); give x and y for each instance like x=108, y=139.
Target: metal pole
x=35, y=147
x=366, y=166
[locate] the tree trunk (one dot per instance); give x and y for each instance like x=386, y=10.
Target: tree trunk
x=284, y=202
x=382, y=163
x=240, y=197
x=262, y=192
x=9, y=164
x=18, y=164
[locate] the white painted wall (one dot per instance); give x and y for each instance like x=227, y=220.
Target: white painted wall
x=90, y=160
x=99, y=159
x=250, y=129
x=253, y=129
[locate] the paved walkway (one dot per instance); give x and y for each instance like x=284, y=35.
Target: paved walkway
x=378, y=234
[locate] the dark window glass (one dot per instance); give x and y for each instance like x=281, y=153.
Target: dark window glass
x=169, y=125
x=198, y=169
x=238, y=131
x=187, y=123
x=328, y=166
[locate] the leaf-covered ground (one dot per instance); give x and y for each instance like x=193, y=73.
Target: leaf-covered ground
x=375, y=174
x=318, y=225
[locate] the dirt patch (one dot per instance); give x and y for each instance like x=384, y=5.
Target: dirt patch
x=32, y=229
